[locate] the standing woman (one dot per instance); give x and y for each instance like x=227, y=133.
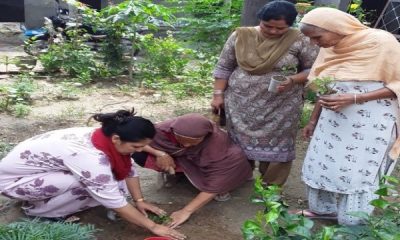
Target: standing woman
x=62, y=172
x=355, y=131
x=264, y=123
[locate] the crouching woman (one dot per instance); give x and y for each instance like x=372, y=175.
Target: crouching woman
x=204, y=153
x=62, y=172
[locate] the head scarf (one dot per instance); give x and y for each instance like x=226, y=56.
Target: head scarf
x=364, y=54
x=216, y=165
x=121, y=165
x=192, y=126
x=258, y=55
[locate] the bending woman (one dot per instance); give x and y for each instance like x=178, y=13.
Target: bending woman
x=62, y=172
x=210, y=160
x=355, y=131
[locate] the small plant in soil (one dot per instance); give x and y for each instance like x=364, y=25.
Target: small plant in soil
x=323, y=86
x=163, y=219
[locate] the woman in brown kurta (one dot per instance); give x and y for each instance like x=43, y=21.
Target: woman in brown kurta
x=265, y=123
x=205, y=153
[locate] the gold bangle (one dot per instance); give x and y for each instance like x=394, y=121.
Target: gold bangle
x=139, y=200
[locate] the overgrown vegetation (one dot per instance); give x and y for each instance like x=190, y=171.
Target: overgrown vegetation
x=206, y=24
x=15, y=98
x=165, y=58
x=38, y=230
x=275, y=222
x=74, y=57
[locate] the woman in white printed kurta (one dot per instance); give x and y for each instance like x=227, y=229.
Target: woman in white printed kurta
x=62, y=172
x=355, y=130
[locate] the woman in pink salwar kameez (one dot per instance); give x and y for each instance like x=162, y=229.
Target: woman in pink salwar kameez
x=62, y=172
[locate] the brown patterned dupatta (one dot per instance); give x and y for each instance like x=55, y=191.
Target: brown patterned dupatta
x=258, y=55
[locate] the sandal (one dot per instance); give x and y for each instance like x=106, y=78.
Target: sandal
x=312, y=215
x=223, y=197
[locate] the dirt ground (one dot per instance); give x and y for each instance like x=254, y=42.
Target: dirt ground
x=60, y=105
x=215, y=221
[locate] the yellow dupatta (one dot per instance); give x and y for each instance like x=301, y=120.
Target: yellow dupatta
x=258, y=55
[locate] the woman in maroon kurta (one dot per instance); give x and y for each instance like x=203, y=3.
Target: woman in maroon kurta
x=195, y=145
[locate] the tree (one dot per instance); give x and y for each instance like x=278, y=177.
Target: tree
x=249, y=12
x=250, y=9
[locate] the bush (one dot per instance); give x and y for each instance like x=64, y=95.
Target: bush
x=208, y=23
x=164, y=57
x=16, y=97
x=275, y=222
x=74, y=57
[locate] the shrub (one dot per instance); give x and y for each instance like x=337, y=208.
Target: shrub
x=275, y=222
x=17, y=96
x=208, y=23
x=164, y=57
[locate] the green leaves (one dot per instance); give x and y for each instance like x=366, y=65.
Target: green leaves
x=37, y=230
x=380, y=203
x=275, y=222
x=323, y=86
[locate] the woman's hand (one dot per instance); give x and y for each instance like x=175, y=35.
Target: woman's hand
x=179, y=217
x=164, y=231
x=165, y=162
x=217, y=103
x=337, y=102
x=286, y=85
x=145, y=206
x=308, y=130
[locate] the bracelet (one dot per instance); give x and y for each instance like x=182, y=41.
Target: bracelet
x=139, y=200
x=218, y=92
x=355, y=98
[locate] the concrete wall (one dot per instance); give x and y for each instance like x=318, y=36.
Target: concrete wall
x=35, y=11
x=340, y=4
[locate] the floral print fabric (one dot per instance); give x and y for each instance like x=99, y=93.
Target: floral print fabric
x=348, y=150
x=59, y=173
x=264, y=124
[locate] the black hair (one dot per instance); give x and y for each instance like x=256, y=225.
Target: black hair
x=126, y=125
x=278, y=10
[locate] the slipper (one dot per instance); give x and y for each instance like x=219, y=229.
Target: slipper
x=112, y=215
x=223, y=197
x=312, y=215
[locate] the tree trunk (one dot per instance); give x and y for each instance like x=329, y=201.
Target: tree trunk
x=249, y=12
